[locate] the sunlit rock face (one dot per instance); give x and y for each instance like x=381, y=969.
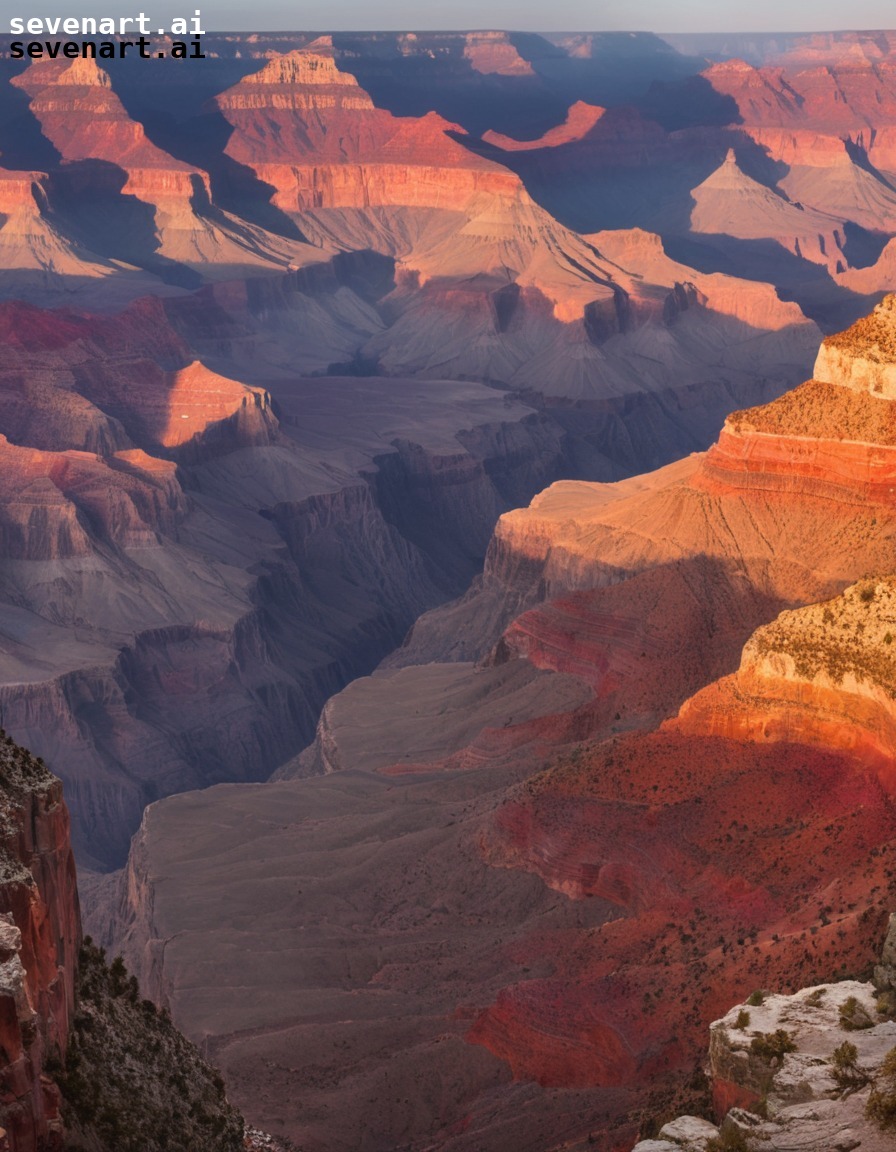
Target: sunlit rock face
x=108, y=155
x=290, y=117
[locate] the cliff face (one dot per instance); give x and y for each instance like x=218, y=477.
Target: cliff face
x=829, y=669
x=793, y=501
x=284, y=119
x=84, y=119
x=217, y=579
x=40, y=933
x=109, y=158
x=473, y=251
x=80, y=1063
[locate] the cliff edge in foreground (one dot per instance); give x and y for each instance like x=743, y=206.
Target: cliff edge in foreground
x=815, y=1071
x=84, y=1063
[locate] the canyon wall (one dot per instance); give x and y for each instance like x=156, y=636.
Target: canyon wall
x=571, y=894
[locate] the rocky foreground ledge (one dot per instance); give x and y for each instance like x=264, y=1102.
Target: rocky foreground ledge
x=814, y=1072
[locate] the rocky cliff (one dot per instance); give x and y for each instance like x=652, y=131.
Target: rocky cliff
x=185, y=546
x=813, y=1070
x=110, y=163
x=83, y=1064
x=40, y=934
x=795, y=497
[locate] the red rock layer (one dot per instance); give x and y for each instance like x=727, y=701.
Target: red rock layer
x=802, y=115
x=724, y=866
x=17, y=191
x=84, y=119
x=751, y=840
x=580, y=119
x=854, y=473
x=309, y=130
x=40, y=935
x=105, y=375
x=845, y=97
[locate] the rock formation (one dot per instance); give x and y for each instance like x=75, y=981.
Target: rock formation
x=605, y=879
x=730, y=203
x=580, y=119
x=36, y=254
x=164, y=532
x=80, y=1065
x=812, y=1070
x=111, y=157
x=224, y=501
x=473, y=252
x=40, y=933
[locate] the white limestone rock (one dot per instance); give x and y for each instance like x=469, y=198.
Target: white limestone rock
x=689, y=1132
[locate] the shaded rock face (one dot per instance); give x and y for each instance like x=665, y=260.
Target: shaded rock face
x=40, y=933
x=83, y=1064
x=227, y=566
x=182, y=546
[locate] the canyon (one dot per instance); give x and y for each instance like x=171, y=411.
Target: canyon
x=461, y=637
x=500, y=899
x=196, y=477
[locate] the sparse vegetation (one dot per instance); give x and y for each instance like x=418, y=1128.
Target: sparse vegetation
x=131, y=1082
x=871, y=336
x=854, y=1016
x=743, y=1020
x=772, y=1047
x=839, y=638
x=882, y=1101
x=846, y=1071
x=729, y=1139
x=844, y=414
x=886, y=1004
x=755, y=999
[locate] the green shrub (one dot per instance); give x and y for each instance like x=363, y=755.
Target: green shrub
x=846, y=1071
x=755, y=999
x=853, y=1016
x=743, y=1020
x=729, y=1139
x=772, y=1046
x=881, y=1106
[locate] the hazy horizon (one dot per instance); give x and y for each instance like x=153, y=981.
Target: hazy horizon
x=758, y=17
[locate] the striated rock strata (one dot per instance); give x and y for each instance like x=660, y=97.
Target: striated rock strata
x=569, y=898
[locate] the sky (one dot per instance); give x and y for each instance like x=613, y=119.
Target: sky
x=522, y=15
